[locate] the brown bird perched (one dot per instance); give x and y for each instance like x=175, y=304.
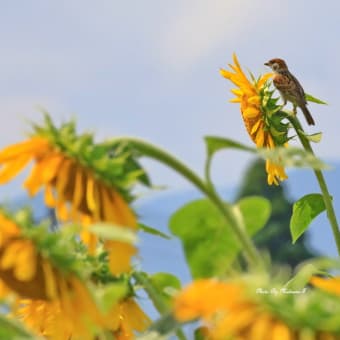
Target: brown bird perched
x=289, y=87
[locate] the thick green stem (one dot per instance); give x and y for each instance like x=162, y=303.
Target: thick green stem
x=152, y=151
x=321, y=180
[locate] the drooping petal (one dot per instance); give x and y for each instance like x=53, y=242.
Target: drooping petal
x=28, y=147
x=12, y=168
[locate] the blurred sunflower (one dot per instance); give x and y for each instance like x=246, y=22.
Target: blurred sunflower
x=331, y=285
x=260, y=115
x=231, y=310
x=51, y=297
x=83, y=181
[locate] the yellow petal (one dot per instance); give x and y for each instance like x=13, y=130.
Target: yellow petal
x=251, y=112
x=26, y=262
x=49, y=278
x=256, y=126
x=120, y=254
x=254, y=100
x=235, y=100
x=9, y=255
x=108, y=208
x=237, y=92
x=281, y=332
x=63, y=177
x=127, y=216
x=260, y=328
x=226, y=74
x=11, y=169
x=91, y=203
x=62, y=211
x=263, y=79
x=329, y=285
x=28, y=147
x=49, y=198
x=136, y=318
x=78, y=189
x=259, y=139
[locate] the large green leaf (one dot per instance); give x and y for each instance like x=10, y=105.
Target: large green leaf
x=208, y=241
x=304, y=211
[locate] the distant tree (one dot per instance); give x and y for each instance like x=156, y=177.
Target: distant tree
x=275, y=236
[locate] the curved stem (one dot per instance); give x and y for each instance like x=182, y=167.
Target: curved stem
x=152, y=151
x=154, y=296
x=321, y=180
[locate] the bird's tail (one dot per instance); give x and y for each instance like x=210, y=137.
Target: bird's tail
x=307, y=115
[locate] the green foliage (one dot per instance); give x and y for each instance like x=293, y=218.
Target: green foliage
x=312, y=99
x=10, y=329
x=166, y=284
x=109, y=231
x=114, y=163
x=110, y=294
x=153, y=231
x=314, y=137
x=292, y=157
x=275, y=236
x=214, y=144
x=304, y=212
x=208, y=242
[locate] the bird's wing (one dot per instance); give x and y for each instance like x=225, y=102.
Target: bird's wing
x=299, y=88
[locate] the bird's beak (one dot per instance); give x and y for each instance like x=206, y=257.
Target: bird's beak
x=267, y=63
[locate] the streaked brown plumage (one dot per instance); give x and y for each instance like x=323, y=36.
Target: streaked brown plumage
x=289, y=87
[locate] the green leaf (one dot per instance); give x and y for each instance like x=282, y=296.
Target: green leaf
x=315, y=137
x=166, y=284
x=304, y=211
x=312, y=99
x=113, y=232
x=292, y=157
x=255, y=211
x=215, y=144
x=208, y=241
x=110, y=294
x=153, y=231
x=12, y=329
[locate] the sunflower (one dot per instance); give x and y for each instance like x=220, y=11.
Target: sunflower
x=231, y=310
x=81, y=180
x=260, y=115
x=331, y=285
x=51, y=296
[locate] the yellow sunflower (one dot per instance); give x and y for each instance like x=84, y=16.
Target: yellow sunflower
x=52, y=301
x=228, y=311
x=257, y=111
x=331, y=285
x=81, y=181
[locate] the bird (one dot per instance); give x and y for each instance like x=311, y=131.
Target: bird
x=289, y=87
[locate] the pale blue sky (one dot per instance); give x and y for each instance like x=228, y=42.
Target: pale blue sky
x=150, y=68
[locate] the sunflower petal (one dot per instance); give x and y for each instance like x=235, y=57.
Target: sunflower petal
x=11, y=169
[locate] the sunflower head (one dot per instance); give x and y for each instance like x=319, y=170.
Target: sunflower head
x=260, y=307
x=261, y=114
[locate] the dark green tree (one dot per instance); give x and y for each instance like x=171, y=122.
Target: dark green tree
x=275, y=236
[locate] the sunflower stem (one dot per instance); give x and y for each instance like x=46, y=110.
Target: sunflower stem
x=157, y=300
x=250, y=252
x=321, y=180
